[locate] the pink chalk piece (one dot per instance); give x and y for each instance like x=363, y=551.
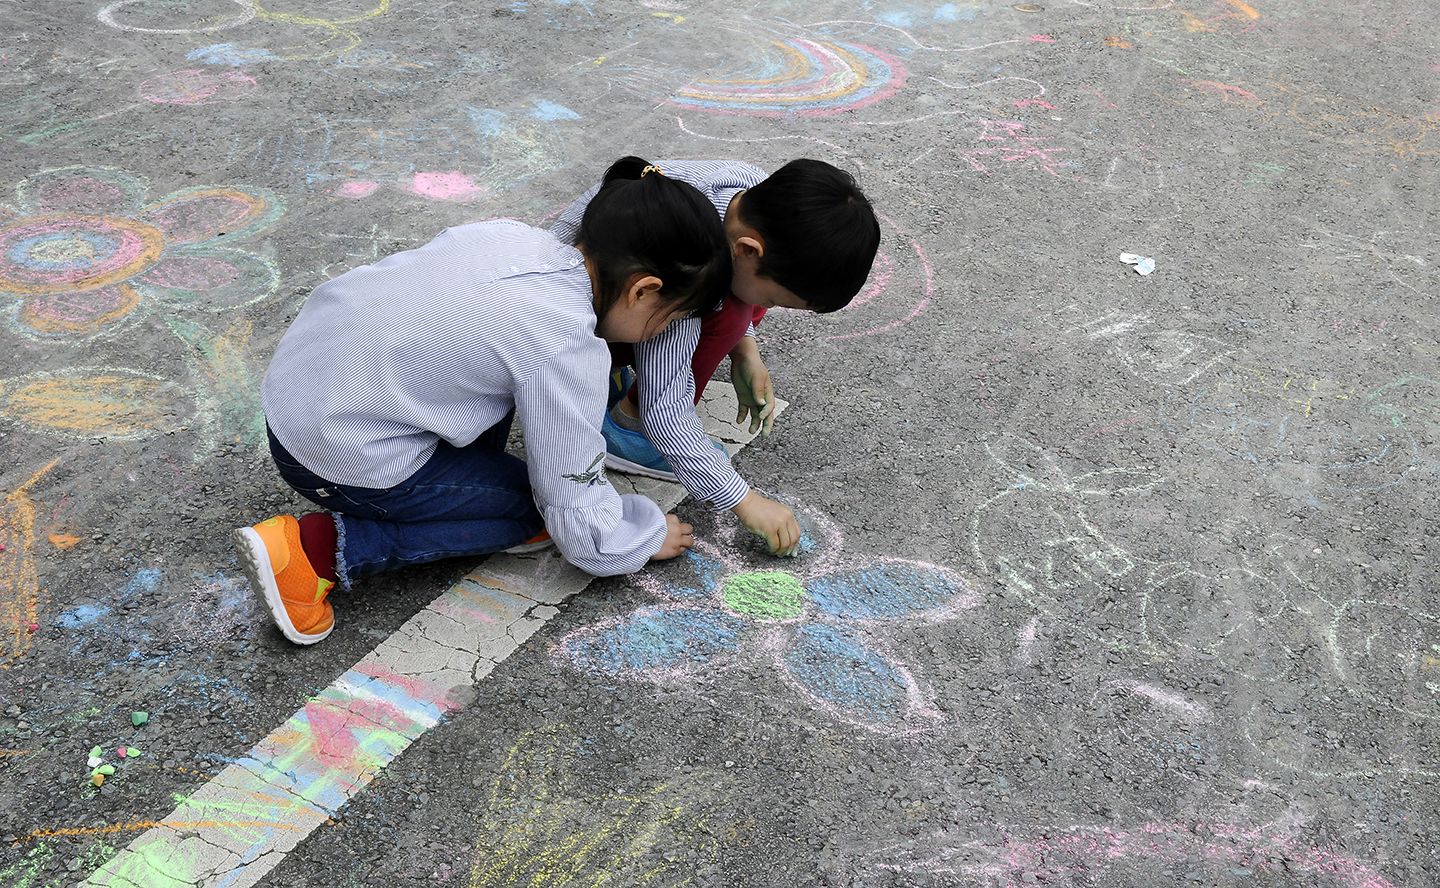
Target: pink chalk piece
x=1041, y=38
x=121, y=751
x=32, y=627
x=357, y=189
x=445, y=186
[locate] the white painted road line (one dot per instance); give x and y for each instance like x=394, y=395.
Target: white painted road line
x=234, y=829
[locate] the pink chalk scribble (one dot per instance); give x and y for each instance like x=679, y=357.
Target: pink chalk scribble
x=452, y=186
x=1061, y=853
x=1014, y=146
x=1227, y=92
x=357, y=189
x=886, y=294
x=1036, y=102
x=197, y=87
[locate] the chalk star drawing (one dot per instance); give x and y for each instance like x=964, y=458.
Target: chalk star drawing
x=800, y=76
x=81, y=251
x=816, y=627
x=542, y=830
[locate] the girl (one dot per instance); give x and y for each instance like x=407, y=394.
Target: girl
x=390, y=398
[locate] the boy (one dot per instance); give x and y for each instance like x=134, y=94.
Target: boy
x=803, y=238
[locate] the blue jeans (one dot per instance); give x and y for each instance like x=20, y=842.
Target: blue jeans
x=463, y=501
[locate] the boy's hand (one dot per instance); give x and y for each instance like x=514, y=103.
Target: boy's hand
x=679, y=537
x=771, y=520
x=753, y=388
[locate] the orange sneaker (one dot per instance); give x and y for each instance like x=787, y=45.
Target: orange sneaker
x=282, y=577
x=539, y=541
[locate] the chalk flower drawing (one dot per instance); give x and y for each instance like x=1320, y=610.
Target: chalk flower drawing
x=814, y=625
x=810, y=78
x=81, y=249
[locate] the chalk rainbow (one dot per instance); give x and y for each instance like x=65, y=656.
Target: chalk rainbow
x=807, y=78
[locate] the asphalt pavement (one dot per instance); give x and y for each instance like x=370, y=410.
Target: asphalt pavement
x=1117, y=572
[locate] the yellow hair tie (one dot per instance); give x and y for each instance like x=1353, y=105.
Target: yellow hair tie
x=651, y=169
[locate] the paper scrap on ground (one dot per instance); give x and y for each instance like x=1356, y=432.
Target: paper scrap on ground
x=1143, y=264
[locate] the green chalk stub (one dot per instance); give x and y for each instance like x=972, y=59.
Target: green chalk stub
x=96, y=752
x=107, y=770
x=131, y=751
x=139, y=718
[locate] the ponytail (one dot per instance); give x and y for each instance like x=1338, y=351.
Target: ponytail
x=644, y=222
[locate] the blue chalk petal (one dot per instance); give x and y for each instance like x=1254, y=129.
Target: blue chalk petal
x=836, y=668
x=888, y=591
x=652, y=640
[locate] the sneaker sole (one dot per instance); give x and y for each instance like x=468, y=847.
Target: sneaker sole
x=625, y=466
x=527, y=548
x=255, y=560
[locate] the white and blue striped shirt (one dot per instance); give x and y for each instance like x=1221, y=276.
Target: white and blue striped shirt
x=667, y=384
x=441, y=342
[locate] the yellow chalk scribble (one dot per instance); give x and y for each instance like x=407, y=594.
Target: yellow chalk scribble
x=99, y=403
x=19, y=581
x=542, y=832
x=1296, y=388
x=336, y=39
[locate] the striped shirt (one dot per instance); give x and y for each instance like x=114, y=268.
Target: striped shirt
x=386, y=360
x=662, y=364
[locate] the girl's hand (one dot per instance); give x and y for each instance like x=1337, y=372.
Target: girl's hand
x=771, y=520
x=753, y=388
x=679, y=537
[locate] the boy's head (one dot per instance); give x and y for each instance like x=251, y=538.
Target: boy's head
x=817, y=237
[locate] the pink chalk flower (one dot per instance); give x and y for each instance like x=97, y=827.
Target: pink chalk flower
x=81, y=249
x=818, y=622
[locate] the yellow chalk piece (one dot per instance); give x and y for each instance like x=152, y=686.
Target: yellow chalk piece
x=677, y=19
x=63, y=540
x=107, y=404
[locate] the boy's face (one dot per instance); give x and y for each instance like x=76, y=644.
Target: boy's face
x=746, y=248
x=752, y=289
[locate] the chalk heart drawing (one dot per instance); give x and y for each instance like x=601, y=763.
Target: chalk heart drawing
x=901, y=286
x=1147, y=854
x=541, y=828
x=81, y=249
x=1307, y=432
x=817, y=626
x=800, y=77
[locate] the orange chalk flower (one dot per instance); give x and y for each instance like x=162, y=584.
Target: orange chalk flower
x=81, y=249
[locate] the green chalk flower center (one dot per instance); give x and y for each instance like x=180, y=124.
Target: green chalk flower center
x=766, y=595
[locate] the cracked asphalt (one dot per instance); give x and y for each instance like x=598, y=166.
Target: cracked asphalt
x=1109, y=579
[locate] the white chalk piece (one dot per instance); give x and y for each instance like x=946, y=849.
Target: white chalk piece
x=1143, y=264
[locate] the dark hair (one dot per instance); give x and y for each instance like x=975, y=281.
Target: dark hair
x=819, y=231
x=642, y=221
